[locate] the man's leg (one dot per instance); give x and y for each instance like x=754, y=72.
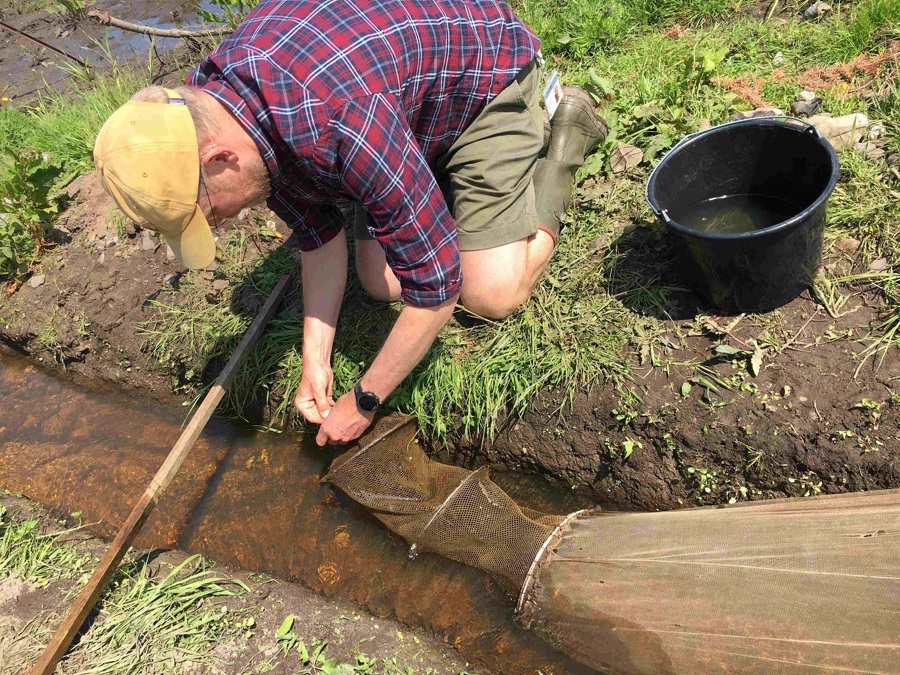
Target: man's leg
x=374, y=274
x=497, y=281
x=574, y=132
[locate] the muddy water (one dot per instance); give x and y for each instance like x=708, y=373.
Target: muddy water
x=28, y=69
x=250, y=499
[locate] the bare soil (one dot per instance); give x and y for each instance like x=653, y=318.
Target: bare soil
x=347, y=629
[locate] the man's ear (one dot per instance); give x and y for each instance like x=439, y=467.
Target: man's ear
x=218, y=154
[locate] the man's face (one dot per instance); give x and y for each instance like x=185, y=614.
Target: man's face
x=240, y=180
x=228, y=188
x=221, y=206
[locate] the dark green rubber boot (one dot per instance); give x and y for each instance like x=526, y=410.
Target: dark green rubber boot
x=575, y=130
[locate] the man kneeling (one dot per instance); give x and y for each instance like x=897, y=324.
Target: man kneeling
x=426, y=114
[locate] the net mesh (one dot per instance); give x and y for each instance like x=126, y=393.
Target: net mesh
x=444, y=509
x=788, y=586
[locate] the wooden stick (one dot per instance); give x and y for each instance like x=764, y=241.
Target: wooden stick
x=43, y=44
x=95, y=585
x=107, y=20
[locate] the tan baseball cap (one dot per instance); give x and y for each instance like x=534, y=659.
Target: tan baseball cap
x=149, y=163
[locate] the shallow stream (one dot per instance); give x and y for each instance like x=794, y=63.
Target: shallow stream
x=254, y=500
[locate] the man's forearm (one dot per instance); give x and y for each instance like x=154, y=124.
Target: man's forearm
x=409, y=340
x=324, y=273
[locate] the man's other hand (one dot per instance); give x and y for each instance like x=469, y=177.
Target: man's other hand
x=345, y=422
x=314, y=399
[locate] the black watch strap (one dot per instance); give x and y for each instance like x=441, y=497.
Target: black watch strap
x=366, y=401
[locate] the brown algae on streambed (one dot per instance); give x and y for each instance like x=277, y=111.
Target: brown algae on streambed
x=252, y=500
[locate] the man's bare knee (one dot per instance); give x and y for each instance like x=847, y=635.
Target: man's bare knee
x=378, y=284
x=497, y=303
x=376, y=277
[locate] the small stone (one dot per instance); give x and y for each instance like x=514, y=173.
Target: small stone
x=806, y=108
x=847, y=244
x=876, y=131
x=207, y=275
x=842, y=132
x=759, y=112
x=816, y=10
x=244, y=215
x=103, y=257
x=37, y=280
x=170, y=254
x=213, y=266
x=778, y=59
x=220, y=284
x=805, y=96
x=893, y=158
x=148, y=241
x=704, y=125
x=878, y=265
x=171, y=280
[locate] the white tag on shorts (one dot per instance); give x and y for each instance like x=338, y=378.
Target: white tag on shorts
x=553, y=94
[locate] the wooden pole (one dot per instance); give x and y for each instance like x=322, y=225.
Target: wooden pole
x=119, y=546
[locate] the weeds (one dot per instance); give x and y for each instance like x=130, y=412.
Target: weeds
x=227, y=12
x=36, y=556
x=44, y=147
x=27, y=208
x=147, y=622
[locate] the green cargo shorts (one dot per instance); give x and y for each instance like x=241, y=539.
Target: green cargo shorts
x=485, y=176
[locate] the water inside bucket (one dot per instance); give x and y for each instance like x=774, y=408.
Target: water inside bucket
x=735, y=214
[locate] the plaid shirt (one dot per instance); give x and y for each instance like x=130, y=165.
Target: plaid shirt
x=355, y=99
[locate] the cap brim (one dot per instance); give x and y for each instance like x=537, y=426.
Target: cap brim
x=195, y=248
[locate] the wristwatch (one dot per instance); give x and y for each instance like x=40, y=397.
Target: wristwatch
x=366, y=401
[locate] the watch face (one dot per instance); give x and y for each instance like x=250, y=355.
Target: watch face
x=368, y=402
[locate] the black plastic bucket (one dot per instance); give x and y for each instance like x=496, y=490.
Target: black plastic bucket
x=783, y=160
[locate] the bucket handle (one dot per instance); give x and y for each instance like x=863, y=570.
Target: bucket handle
x=810, y=129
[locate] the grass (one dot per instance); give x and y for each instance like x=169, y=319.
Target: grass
x=151, y=623
x=147, y=620
x=572, y=332
x=33, y=555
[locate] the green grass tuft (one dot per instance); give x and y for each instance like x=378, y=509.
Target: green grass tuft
x=34, y=555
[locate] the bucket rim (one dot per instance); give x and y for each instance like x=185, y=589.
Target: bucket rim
x=783, y=122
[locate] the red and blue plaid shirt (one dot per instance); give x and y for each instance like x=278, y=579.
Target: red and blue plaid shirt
x=355, y=99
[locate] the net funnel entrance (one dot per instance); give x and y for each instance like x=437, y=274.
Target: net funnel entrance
x=444, y=509
x=784, y=586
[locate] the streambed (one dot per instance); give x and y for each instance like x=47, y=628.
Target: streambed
x=251, y=499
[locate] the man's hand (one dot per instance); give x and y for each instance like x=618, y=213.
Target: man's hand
x=313, y=399
x=345, y=422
